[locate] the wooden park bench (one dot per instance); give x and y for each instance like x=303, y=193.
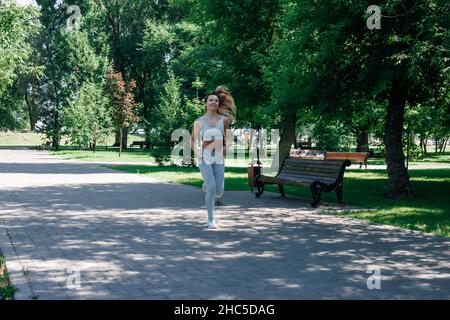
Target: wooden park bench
x=360, y=157
x=141, y=144
x=319, y=175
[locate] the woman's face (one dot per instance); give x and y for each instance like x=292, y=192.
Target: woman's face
x=212, y=103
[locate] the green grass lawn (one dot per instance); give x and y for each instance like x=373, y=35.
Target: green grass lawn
x=428, y=211
x=37, y=139
x=20, y=139
x=436, y=157
x=439, y=158
x=128, y=155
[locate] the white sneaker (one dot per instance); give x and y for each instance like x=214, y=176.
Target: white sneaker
x=212, y=225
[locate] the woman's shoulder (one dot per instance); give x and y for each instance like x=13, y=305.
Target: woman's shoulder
x=226, y=120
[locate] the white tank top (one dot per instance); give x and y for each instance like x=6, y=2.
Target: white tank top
x=208, y=132
x=212, y=133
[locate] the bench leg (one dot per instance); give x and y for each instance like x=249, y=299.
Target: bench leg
x=260, y=187
x=316, y=190
x=339, y=194
x=281, y=188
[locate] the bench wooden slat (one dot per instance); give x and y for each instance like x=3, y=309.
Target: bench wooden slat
x=319, y=163
x=331, y=171
x=309, y=175
x=333, y=174
x=311, y=165
x=352, y=156
x=308, y=179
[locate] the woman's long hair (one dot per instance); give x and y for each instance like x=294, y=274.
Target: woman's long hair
x=227, y=107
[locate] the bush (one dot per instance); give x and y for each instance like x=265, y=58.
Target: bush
x=161, y=155
x=7, y=290
x=332, y=136
x=415, y=152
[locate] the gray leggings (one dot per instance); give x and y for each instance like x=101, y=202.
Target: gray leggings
x=213, y=176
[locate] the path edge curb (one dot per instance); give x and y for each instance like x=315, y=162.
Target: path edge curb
x=14, y=267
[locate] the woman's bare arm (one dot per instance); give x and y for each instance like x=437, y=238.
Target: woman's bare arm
x=194, y=139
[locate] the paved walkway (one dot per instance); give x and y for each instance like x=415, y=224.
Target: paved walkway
x=131, y=237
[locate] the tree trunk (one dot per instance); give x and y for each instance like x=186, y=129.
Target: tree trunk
x=31, y=112
x=399, y=183
x=408, y=146
x=31, y=101
x=295, y=140
x=120, y=141
x=56, y=131
x=422, y=148
x=94, y=142
x=287, y=136
x=444, y=145
x=124, y=138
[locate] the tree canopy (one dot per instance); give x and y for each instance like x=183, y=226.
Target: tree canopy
x=296, y=65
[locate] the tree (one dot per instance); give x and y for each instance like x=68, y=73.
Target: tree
x=174, y=112
x=70, y=61
x=168, y=112
x=87, y=121
x=325, y=57
x=117, y=28
x=17, y=25
x=237, y=38
x=156, y=48
x=121, y=102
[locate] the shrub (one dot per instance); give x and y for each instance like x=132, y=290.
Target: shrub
x=161, y=155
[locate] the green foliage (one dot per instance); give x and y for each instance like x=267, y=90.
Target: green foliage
x=7, y=290
x=16, y=24
x=326, y=58
x=2, y=260
x=121, y=102
x=162, y=155
x=168, y=111
x=313, y=59
x=173, y=112
x=414, y=152
x=69, y=59
x=332, y=136
x=87, y=121
x=13, y=115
